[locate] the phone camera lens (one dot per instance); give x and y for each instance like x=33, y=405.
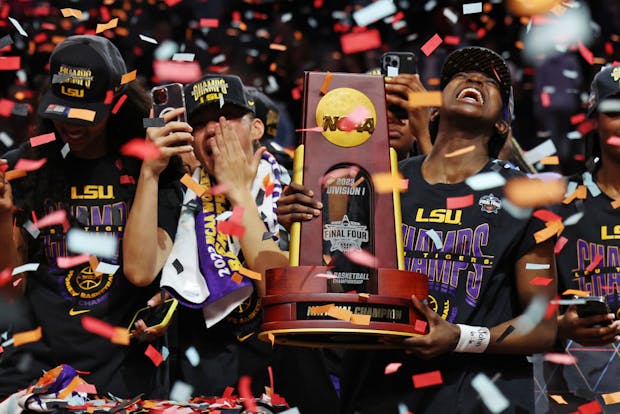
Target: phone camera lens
x=160, y=96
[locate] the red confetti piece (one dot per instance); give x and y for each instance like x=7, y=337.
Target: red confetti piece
x=427, y=380
x=42, y=139
x=615, y=141
x=552, y=307
x=98, y=327
x=314, y=129
x=141, y=148
x=66, y=262
x=245, y=392
x=54, y=218
x=362, y=257
x=5, y=276
x=595, y=262
x=154, y=355
x=359, y=42
x=10, y=63
x=453, y=203
x=420, y=326
x=586, y=127
x=6, y=107
x=541, y=281
x=119, y=103
x=25, y=164
x=228, y=392
x=432, y=44
x=593, y=407
x=577, y=118
x=546, y=215
x=211, y=23
x=127, y=179
x=177, y=71
x=545, y=99
x=392, y=367
x=452, y=40
x=109, y=97
x=87, y=388
x=559, y=245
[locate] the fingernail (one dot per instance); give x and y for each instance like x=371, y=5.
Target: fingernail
x=610, y=316
x=319, y=205
x=150, y=303
x=316, y=212
x=617, y=339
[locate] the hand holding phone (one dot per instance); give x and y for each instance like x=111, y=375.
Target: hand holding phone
x=594, y=305
x=155, y=317
x=396, y=63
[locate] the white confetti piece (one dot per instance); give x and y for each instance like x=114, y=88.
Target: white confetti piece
x=31, y=229
x=192, y=356
x=217, y=59
x=570, y=74
x=450, y=15
x=537, y=266
x=293, y=410
x=532, y=315
x=484, y=181
x=574, y=135
x=181, y=391
x=570, y=188
x=64, y=151
x=6, y=139
x=546, y=149
x=18, y=26
x=573, y=219
x=106, y=268
x=435, y=238
x=148, y=39
x=567, y=302
x=165, y=353
x=471, y=8
x=374, y=12
x=28, y=267
x=224, y=216
x=514, y=211
x=185, y=57
x=491, y=396
x=609, y=105
x=592, y=187
x=392, y=71
x=97, y=244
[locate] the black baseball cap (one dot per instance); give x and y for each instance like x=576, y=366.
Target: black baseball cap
x=84, y=70
x=266, y=111
x=217, y=90
x=605, y=85
x=483, y=60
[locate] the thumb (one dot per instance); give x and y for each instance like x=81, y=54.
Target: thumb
x=423, y=308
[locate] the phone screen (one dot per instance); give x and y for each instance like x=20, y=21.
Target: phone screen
x=154, y=316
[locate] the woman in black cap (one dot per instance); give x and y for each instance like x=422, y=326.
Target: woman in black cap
x=91, y=114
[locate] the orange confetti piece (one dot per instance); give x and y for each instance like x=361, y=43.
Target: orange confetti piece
x=526, y=192
x=276, y=46
x=237, y=278
x=460, y=151
x=14, y=174
x=614, y=204
x=340, y=313
x=120, y=337
x=360, y=319
x=611, y=398
x=85, y=114
x=271, y=338
x=423, y=99
x=553, y=228
x=68, y=12
x=319, y=310
x=129, y=77
x=580, y=193
x=105, y=26
x=141, y=148
x=386, y=182
x=364, y=296
x=193, y=185
x=576, y=292
x=250, y=273
x=27, y=337
x=65, y=392
x=552, y=160
x=559, y=399
x=326, y=82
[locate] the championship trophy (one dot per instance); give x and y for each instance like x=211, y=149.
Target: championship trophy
x=324, y=298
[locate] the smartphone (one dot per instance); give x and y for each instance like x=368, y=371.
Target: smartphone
x=396, y=63
x=166, y=98
x=595, y=305
x=155, y=317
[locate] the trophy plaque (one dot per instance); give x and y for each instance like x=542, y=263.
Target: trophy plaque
x=326, y=297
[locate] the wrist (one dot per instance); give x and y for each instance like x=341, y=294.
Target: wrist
x=473, y=339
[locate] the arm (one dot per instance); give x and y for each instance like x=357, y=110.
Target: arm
x=232, y=166
x=146, y=246
x=13, y=250
x=397, y=91
x=444, y=336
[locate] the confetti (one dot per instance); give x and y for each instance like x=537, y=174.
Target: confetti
x=541, y=281
x=573, y=219
x=359, y=42
x=595, y=262
x=510, y=329
x=593, y=407
x=387, y=182
x=250, y=274
x=559, y=245
x=532, y=315
x=424, y=99
x=58, y=217
x=27, y=165
x=177, y=71
x=484, y=181
x=183, y=57
x=119, y=104
x=141, y=148
x=192, y=356
x=18, y=26
x=611, y=398
x=420, y=326
x=181, y=391
x=97, y=244
x=357, y=319
x=193, y=185
x=84, y=114
x=472, y=8
x=245, y=392
x=28, y=267
x=374, y=12
x=129, y=77
x=210, y=23
x=455, y=203
x=13, y=175
x=432, y=44
x=427, y=379
x=491, y=396
x=435, y=238
x=534, y=192
x=66, y=262
x=42, y=139
x=325, y=86
x=109, y=25
x=545, y=149
x=537, y=266
x=362, y=257
x=148, y=39
x=450, y=15
x=98, y=327
x=10, y=62
x=553, y=228
x=68, y=12
x=460, y=151
x=615, y=141
x=561, y=359
x=392, y=367
x=340, y=313
x=320, y=310
x=26, y=337
x=106, y=268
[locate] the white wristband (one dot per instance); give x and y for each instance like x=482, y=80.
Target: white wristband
x=474, y=339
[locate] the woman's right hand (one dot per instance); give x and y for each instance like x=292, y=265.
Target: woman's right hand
x=297, y=204
x=174, y=138
x=6, y=194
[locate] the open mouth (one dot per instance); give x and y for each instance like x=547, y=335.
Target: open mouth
x=471, y=95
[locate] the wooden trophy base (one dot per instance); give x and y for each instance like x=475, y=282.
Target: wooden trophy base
x=293, y=293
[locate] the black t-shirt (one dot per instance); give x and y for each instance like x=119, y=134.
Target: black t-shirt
x=597, y=370
x=100, y=192
x=471, y=281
